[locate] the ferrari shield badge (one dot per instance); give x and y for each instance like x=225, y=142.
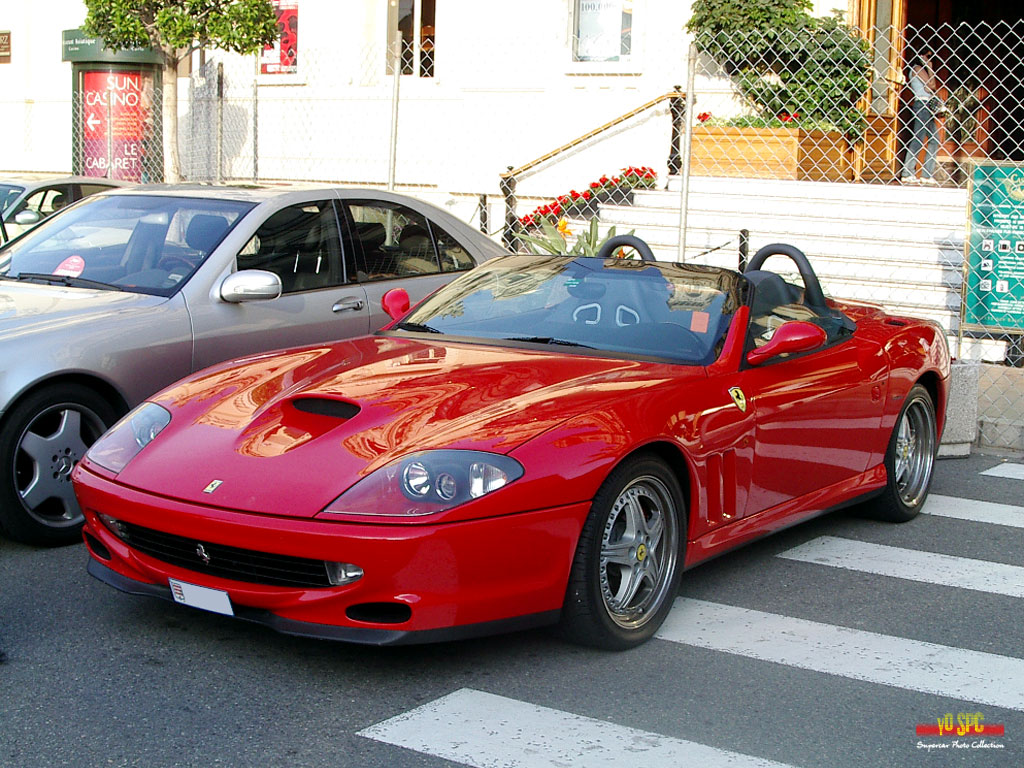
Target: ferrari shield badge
x=213, y=486
x=739, y=398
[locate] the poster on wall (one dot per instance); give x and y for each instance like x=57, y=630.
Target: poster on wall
x=599, y=30
x=117, y=121
x=994, y=258
x=282, y=56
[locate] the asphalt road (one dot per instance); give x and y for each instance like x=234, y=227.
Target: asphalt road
x=773, y=656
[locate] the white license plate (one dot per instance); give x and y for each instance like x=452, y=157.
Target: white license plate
x=193, y=595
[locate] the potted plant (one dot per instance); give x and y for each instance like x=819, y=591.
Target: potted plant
x=801, y=78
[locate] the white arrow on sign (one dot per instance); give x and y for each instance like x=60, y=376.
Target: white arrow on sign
x=92, y=121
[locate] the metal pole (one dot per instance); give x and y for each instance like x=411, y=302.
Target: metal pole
x=396, y=66
x=744, y=249
x=256, y=123
x=684, y=189
x=482, y=204
x=219, y=176
x=508, y=189
x=677, y=108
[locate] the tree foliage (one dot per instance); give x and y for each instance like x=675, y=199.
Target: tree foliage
x=177, y=27
x=787, y=62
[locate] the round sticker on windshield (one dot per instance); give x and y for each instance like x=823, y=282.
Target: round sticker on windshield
x=72, y=266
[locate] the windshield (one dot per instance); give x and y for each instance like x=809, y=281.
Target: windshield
x=673, y=312
x=8, y=194
x=139, y=243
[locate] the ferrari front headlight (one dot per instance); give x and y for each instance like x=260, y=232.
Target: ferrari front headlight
x=124, y=440
x=426, y=483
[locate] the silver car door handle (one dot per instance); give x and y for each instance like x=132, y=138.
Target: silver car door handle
x=348, y=305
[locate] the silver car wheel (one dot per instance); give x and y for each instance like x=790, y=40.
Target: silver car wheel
x=47, y=450
x=914, y=451
x=638, y=552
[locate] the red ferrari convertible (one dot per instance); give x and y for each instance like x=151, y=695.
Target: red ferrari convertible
x=547, y=440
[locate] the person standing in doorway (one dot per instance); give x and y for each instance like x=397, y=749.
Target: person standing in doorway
x=925, y=105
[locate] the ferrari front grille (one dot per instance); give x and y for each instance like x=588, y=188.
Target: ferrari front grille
x=227, y=562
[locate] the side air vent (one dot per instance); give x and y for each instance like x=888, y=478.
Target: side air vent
x=321, y=406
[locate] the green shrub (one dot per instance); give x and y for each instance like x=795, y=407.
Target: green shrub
x=787, y=62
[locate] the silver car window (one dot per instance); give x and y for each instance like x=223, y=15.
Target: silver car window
x=300, y=244
x=139, y=243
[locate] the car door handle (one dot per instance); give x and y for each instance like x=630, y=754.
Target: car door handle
x=348, y=305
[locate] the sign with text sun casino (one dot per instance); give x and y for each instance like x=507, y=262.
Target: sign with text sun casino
x=117, y=115
x=282, y=56
x=994, y=257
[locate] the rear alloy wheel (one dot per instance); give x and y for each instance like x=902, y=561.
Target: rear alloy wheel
x=629, y=558
x=41, y=440
x=909, y=460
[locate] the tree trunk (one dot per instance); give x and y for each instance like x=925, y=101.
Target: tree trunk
x=172, y=166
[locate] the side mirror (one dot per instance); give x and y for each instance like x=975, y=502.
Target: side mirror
x=27, y=218
x=395, y=302
x=250, y=285
x=794, y=336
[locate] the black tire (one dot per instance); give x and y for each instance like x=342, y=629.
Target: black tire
x=603, y=606
x=41, y=438
x=909, y=460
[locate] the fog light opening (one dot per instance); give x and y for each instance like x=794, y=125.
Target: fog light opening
x=115, y=526
x=342, y=573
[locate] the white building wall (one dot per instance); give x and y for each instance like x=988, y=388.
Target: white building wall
x=506, y=90
x=35, y=87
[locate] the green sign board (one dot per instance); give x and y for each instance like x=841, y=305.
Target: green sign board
x=994, y=249
x=78, y=46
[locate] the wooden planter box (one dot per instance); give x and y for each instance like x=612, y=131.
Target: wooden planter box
x=770, y=153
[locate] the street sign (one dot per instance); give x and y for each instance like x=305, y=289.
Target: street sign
x=993, y=296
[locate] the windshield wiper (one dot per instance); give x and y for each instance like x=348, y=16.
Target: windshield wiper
x=549, y=340
x=417, y=327
x=68, y=280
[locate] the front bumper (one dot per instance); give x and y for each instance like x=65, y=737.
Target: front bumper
x=460, y=579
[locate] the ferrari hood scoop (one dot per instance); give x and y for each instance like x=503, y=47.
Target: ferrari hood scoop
x=321, y=406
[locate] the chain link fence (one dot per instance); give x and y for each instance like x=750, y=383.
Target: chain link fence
x=818, y=136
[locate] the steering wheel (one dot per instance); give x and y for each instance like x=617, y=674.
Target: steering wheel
x=168, y=263
x=625, y=240
x=814, y=297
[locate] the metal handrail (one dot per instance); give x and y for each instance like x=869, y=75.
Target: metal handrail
x=675, y=94
x=676, y=98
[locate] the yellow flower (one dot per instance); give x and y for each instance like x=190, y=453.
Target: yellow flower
x=563, y=228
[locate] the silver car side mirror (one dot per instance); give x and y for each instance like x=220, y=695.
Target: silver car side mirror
x=27, y=218
x=250, y=285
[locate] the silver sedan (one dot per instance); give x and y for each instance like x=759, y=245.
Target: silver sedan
x=130, y=290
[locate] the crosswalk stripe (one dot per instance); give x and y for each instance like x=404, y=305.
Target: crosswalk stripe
x=929, y=567
x=975, y=511
x=484, y=730
x=957, y=673
x=1008, y=469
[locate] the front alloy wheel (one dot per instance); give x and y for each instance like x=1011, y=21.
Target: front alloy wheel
x=42, y=439
x=627, y=565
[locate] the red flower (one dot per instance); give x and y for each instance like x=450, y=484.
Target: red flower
x=617, y=179
x=586, y=194
x=594, y=185
x=575, y=194
x=703, y=117
x=603, y=180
